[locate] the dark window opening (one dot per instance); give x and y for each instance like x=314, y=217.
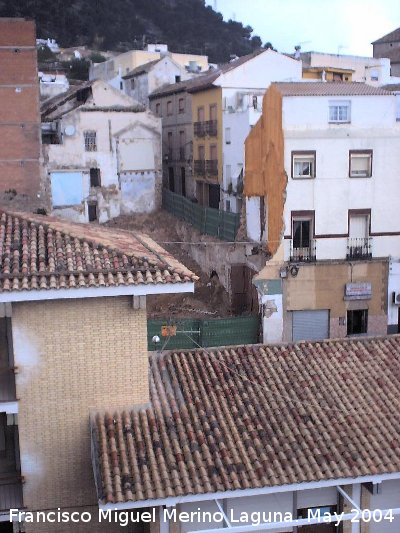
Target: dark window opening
x=301, y=233
x=92, y=212
x=183, y=181
x=177, y=79
x=213, y=196
x=6, y=527
x=357, y=322
x=171, y=179
x=83, y=94
x=51, y=138
x=95, y=180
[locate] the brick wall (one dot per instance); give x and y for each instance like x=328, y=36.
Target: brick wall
x=19, y=108
x=73, y=356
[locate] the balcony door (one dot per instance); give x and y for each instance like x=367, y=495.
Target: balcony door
x=359, y=241
x=358, y=226
x=302, y=232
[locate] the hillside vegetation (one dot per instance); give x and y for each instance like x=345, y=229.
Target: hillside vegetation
x=185, y=25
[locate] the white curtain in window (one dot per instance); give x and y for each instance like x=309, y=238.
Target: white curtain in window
x=360, y=165
x=359, y=226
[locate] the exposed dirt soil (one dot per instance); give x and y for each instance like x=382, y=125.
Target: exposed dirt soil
x=210, y=299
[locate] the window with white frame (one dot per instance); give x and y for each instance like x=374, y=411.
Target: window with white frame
x=303, y=164
x=339, y=111
x=360, y=163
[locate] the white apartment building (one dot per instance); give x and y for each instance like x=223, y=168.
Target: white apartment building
x=102, y=154
x=321, y=184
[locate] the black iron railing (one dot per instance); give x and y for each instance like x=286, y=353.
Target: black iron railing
x=199, y=167
x=359, y=248
x=212, y=167
x=303, y=254
x=211, y=128
x=199, y=129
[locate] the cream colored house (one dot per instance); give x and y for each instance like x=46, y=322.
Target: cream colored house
x=102, y=154
x=73, y=336
x=115, y=68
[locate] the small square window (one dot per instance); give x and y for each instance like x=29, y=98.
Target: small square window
x=357, y=322
x=360, y=164
x=90, y=141
x=339, y=112
x=303, y=164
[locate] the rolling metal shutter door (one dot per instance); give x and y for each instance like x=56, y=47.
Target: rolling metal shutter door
x=310, y=325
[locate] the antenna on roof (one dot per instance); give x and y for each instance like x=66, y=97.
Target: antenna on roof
x=340, y=47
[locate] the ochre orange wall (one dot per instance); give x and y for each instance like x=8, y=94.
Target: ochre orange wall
x=264, y=171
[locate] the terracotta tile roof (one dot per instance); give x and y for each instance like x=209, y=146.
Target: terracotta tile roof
x=304, y=88
x=392, y=37
x=254, y=416
x=40, y=253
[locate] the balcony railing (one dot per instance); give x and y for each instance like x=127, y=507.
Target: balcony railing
x=10, y=493
x=199, y=129
x=211, y=128
x=200, y=167
x=303, y=254
x=359, y=248
x=212, y=167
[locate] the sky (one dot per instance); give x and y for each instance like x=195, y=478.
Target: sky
x=333, y=26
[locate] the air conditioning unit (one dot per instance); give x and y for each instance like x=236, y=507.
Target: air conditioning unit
x=396, y=298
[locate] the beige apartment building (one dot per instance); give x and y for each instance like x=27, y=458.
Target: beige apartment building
x=72, y=303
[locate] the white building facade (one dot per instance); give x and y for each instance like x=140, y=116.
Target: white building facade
x=335, y=226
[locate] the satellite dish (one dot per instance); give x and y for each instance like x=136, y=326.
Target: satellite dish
x=69, y=130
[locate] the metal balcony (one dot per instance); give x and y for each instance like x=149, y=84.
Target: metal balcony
x=359, y=248
x=199, y=129
x=10, y=493
x=212, y=167
x=199, y=167
x=303, y=254
x=211, y=127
